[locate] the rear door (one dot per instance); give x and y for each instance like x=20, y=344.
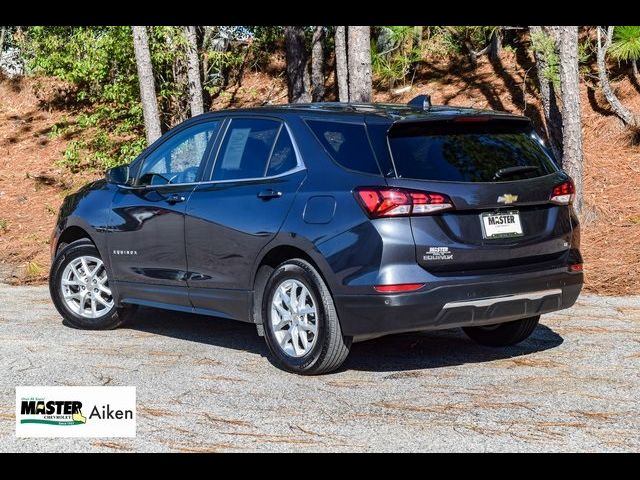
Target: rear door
x=500, y=178
x=231, y=217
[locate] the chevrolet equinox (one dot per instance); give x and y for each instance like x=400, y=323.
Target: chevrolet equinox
x=327, y=224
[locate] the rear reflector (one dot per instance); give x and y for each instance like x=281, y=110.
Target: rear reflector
x=401, y=287
x=564, y=193
x=576, y=267
x=399, y=202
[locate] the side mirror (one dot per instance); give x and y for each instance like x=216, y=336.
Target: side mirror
x=118, y=175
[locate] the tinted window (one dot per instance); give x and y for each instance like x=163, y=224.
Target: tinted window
x=245, y=149
x=178, y=160
x=378, y=137
x=469, y=154
x=283, y=157
x=347, y=143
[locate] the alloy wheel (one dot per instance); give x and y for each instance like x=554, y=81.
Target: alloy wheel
x=85, y=287
x=294, y=318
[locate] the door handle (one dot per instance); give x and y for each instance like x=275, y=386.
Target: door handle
x=269, y=194
x=175, y=198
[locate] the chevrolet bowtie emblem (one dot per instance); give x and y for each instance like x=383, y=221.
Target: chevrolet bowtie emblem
x=507, y=198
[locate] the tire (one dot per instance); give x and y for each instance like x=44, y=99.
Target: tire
x=326, y=348
x=106, y=317
x=503, y=334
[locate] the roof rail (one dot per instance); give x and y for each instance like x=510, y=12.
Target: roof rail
x=421, y=102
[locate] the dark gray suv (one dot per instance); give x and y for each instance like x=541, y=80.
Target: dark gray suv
x=327, y=224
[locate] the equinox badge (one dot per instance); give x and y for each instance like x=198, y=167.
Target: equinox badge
x=507, y=198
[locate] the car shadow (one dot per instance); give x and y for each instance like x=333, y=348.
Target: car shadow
x=411, y=351
x=220, y=332
x=439, y=348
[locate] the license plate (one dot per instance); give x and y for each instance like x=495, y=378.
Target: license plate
x=501, y=225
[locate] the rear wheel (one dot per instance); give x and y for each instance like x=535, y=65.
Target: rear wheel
x=301, y=325
x=503, y=334
x=80, y=290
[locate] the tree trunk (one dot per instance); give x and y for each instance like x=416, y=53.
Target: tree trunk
x=471, y=53
x=552, y=116
x=417, y=37
x=342, y=68
x=317, y=65
x=2, y=33
x=627, y=116
x=193, y=72
x=572, y=160
x=359, y=62
x=495, y=47
x=297, y=72
x=147, y=84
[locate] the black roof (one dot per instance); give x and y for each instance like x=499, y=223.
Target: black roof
x=391, y=111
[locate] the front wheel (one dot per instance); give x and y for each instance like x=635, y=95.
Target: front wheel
x=80, y=290
x=301, y=325
x=503, y=334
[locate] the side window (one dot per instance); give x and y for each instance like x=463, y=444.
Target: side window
x=179, y=158
x=246, y=148
x=347, y=143
x=283, y=157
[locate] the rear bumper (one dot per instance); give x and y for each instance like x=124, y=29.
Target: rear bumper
x=455, y=303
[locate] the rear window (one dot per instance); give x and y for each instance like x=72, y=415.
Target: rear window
x=469, y=153
x=347, y=143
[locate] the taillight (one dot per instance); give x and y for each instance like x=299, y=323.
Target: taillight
x=399, y=202
x=564, y=193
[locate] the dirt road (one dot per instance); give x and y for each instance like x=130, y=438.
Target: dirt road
x=204, y=384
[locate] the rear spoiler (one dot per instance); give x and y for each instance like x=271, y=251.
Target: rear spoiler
x=460, y=123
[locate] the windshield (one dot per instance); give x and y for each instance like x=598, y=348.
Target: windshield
x=469, y=153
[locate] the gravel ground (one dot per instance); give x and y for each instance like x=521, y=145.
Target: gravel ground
x=205, y=384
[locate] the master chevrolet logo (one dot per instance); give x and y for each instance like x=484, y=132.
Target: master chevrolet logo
x=507, y=198
x=46, y=411
x=52, y=412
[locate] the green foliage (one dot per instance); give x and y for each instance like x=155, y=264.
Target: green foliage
x=626, y=43
x=585, y=49
x=544, y=45
x=399, y=49
x=395, y=54
x=266, y=37
x=71, y=157
x=99, y=63
x=475, y=37
x=223, y=67
x=440, y=42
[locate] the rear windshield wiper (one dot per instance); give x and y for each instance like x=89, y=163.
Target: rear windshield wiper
x=505, y=172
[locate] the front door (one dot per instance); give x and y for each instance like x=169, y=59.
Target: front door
x=146, y=239
x=231, y=218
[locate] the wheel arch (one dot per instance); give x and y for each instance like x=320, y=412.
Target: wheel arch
x=276, y=253
x=274, y=256
x=71, y=234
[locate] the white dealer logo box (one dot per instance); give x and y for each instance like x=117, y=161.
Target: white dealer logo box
x=75, y=411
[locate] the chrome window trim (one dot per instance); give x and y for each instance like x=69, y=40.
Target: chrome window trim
x=157, y=144
x=300, y=164
x=211, y=182
x=298, y=168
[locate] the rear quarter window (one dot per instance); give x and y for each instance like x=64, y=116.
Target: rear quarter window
x=347, y=144
x=469, y=153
